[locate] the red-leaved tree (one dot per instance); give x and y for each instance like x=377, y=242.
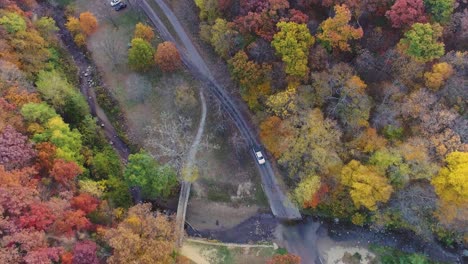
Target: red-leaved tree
x=85, y=253
x=85, y=202
x=39, y=217
x=15, y=150
x=404, y=13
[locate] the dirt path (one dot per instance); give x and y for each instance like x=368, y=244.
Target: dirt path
x=187, y=174
x=196, y=142
x=87, y=77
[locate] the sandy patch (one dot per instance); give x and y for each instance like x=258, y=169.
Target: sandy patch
x=193, y=253
x=339, y=254
x=203, y=214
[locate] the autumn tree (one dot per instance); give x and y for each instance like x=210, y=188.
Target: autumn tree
x=142, y=237
x=144, y=32
x=88, y=23
x=68, y=141
x=247, y=72
x=276, y=135
x=352, y=105
x=439, y=74
x=85, y=203
x=223, y=38
x=155, y=180
x=70, y=222
x=12, y=22
x=315, y=146
x=451, y=185
x=441, y=10
x=85, y=253
x=167, y=57
x=73, y=25
x=32, y=50
x=335, y=32
x=421, y=42
x=39, y=217
x=367, y=187
x=46, y=26
x=65, y=171
x=208, y=9
x=252, y=77
x=140, y=55
x=406, y=12
x=15, y=149
x=82, y=27
x=306, y=190
x=292, y=43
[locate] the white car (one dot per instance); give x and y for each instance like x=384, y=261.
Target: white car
x=259, y=156
x=114, y=2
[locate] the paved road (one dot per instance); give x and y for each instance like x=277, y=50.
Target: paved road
x=280, y=205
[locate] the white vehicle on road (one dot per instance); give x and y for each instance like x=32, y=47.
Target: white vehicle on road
x=114, y=2
x=259, y=156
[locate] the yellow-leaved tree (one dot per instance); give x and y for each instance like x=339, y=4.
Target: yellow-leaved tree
x=292, y=43
x=335, y=32
x=367, y=186
x=439, y=74
x=451, y=185
x=306, y=190
x=142, y=237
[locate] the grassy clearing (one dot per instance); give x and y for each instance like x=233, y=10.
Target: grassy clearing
x=144, y=97
x=200, y=252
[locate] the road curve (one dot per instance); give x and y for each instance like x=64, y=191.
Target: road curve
x=280, y=204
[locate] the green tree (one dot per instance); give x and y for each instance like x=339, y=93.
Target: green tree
x=155, y=180
x=106, y=163
x=208, y=9
x=421, y=42
x=292, y=43
x=12, y=22
x=441, y=10
x=54, y=88
x=37, y=113
x=367, y=187
x=46, y=26
x=223, y=38
x=140, y=55
x=67, y=141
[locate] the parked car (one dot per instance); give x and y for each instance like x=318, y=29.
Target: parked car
x=120, y=6
x=259, y=156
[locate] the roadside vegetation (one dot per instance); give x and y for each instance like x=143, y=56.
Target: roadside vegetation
x=64, y=191
x=362, y=105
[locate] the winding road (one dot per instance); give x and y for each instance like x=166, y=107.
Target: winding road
x=280, y=204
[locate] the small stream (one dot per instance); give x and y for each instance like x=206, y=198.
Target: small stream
x=312, y=238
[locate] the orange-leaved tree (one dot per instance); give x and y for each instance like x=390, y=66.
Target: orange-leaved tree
x=167, y=57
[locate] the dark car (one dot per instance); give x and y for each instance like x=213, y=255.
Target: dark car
x=120, y=6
